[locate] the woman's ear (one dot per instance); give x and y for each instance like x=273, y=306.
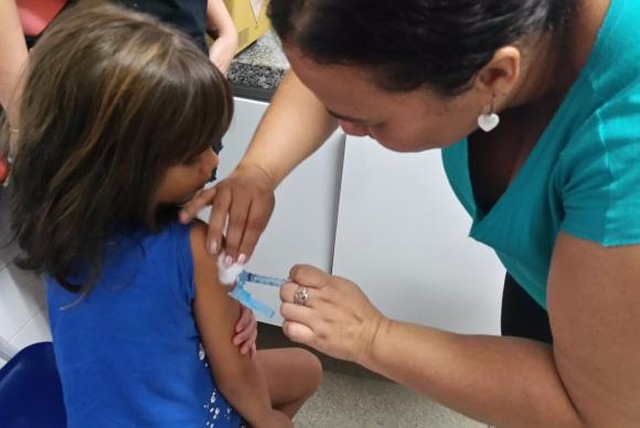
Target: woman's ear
x=501, y=74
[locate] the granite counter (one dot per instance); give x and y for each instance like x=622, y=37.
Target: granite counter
x=257, y=71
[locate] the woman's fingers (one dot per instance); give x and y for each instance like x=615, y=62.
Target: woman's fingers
x=299, y=333
x=238, y=214
x=309, y=276
x=199, y=201
x=259, y=214
x=299, y=323
x=242, y=206
x=331, y=315
x=218, y=220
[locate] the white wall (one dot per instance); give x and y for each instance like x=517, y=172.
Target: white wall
x=23, y=312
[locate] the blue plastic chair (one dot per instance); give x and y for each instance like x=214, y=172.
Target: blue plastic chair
x=30, y=390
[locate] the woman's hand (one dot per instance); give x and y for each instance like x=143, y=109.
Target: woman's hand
x=337, y=318
x=246, y=332
x=244, y=202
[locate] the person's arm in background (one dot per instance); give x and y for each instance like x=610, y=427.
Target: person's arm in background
x=13, y=59
x=239, y=378
x=225, y=44
x=293, y=127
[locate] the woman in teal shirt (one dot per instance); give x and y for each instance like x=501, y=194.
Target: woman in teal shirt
x=536, y=104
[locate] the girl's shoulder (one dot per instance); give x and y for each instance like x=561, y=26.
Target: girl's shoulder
x=198, y=230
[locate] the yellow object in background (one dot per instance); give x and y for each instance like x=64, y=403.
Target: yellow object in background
x=250, y=18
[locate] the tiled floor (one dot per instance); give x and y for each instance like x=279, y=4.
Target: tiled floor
x=350, y=401
x=351, y=397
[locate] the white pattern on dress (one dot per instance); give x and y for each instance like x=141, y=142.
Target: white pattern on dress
x=214, y=410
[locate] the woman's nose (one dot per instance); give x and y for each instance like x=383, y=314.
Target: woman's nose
x=353, y=129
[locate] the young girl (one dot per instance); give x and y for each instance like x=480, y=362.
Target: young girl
x=117, y=120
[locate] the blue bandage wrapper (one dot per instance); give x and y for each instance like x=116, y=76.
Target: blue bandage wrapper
x=246, y=299
x=235, y=275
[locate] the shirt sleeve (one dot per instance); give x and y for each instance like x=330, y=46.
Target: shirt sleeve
x=599, y=179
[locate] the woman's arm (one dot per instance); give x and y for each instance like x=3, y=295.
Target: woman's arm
x=226, y=42
x=239, y=377
x=13, y=59
x=293, y=127
x=590, y=378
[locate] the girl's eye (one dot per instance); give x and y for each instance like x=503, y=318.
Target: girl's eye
x=191, y=160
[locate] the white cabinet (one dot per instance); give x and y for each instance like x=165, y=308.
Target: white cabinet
x=402, y=236
x=302, y=227
x=385, y=220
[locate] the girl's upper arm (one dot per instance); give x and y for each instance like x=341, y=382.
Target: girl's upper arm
x=594, y=308
x=238, y=376
x=215, y=312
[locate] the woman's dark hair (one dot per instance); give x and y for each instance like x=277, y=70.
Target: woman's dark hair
x=111, y=99
x=410, y=43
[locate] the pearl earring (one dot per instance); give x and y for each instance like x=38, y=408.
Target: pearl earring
x=489, y=121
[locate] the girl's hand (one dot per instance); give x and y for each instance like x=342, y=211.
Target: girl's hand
x=337, y=319
x=276, y=419
x=244, y=201
x=246, y=332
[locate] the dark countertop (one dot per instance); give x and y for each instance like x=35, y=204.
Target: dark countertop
x=257, y=71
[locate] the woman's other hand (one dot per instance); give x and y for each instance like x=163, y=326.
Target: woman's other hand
x=243, y=202
x=337, y=318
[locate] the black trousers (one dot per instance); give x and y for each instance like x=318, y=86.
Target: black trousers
x=521, y=315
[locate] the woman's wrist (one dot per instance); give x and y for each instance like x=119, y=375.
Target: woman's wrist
x=261, y=169
x=375, y=338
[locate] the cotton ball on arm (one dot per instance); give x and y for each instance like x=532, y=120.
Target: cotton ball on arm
x=228, y=275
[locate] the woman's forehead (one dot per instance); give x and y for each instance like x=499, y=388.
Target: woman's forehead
x=349, y=91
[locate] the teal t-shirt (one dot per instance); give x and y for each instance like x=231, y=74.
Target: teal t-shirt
x=583, y=175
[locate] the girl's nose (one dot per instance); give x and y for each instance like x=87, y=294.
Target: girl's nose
x=210, y=160
x=353, y=129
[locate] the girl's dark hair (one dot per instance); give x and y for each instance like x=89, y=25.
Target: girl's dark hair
x=111, y=99
x=410, y=43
